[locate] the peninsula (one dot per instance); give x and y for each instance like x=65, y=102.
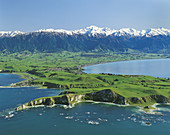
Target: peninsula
x=55, y=59
x=64, y=71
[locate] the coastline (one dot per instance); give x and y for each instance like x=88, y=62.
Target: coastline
x=81, y=66
x=39, y=86
x=154, y=111
x=92, y=64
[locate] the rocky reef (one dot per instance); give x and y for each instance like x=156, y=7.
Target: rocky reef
x=107, y=95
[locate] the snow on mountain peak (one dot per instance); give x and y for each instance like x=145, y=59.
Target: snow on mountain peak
x=159, y=31
x=93, y=27
x=10, y=33
x=55, y=31
x=45, y=30
x=127, y=32
x=94, y=31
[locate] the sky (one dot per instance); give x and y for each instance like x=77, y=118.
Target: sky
x=31, y=15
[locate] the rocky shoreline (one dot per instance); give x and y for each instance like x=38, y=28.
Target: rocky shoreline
x=106, y=96
x=70, y=98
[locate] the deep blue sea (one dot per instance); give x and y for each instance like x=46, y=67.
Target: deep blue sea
x=83, y=119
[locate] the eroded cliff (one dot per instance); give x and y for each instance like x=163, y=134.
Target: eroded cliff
x=107, y=95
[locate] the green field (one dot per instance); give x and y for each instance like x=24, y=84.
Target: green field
x=64, y=70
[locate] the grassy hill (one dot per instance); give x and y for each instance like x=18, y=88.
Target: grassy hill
x=64, y=70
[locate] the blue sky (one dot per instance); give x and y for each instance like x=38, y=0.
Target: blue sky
x=30, y=15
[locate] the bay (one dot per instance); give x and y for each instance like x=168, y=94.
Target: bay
x=152, y=67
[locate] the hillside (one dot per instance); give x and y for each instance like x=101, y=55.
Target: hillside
x=90, y=39
x=64, y=71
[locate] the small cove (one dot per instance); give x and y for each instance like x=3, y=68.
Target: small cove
x=13, y=97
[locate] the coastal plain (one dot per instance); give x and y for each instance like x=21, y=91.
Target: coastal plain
x=65, y=71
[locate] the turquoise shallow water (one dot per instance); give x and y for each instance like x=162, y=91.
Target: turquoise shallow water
x=108, y=119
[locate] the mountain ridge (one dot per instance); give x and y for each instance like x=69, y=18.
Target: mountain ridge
x=90, y=39
x=94, y=30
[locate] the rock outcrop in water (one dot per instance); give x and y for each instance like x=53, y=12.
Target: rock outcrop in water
x=70, y=98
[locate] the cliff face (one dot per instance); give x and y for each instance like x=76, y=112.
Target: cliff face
x=70, y=98
x=106, y=96
x=148, y=99
x=160, y=99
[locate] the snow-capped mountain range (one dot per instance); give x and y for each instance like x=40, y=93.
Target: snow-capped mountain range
x=94, y=31
x=10, y=33
x=89, y=39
